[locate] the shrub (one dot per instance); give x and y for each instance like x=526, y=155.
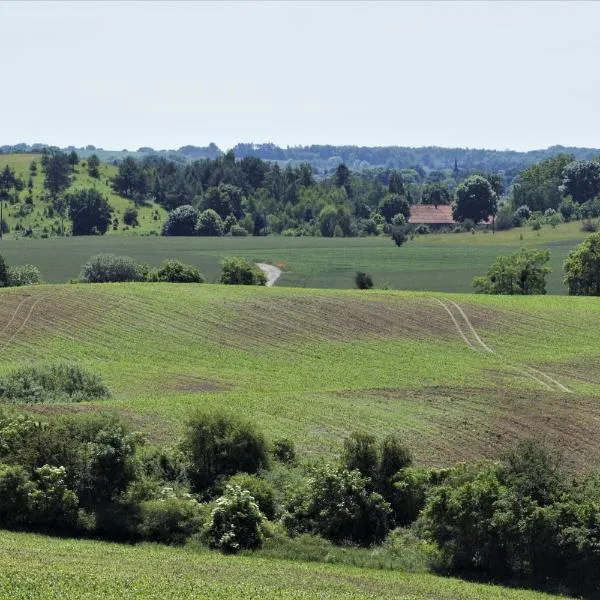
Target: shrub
x=261, y=490
x=523, y=213
x=239, y=271
x=130, y=217
x=399, y=220
x=360, y=453
x=90, y=212
x=62, y=382
x=105, y=268
x=363, y=281
x=50, y=504
x=422, y=229
x=336, y=504
x=219, y=445
x=588, y=226
x=582, y=267
x=394, y=456
x=209, y=223
x=504, y=219
x=399, y=235
x=3, y=272
x=13, y=494
x=236, y=522
x=173, y=271
x=407, y=495
x=23, y=275
x=284, y=451
x=169, y=520
x=238, y=231
x=181, y=221
x=567, y=208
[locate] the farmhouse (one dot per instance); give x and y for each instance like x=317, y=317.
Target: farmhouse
x=430, y=214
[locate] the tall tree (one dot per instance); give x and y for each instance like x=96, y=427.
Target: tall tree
x=73, y=160
x=94, y=166
x=581, y=180
x=582, y=268
x=58, y=171
x=475, y=199
x=90, y=212
x=395, y=184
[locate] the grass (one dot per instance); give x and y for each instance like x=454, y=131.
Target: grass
x=440, y=262
x=314, y=365
x=38, y=219
x=33, y=566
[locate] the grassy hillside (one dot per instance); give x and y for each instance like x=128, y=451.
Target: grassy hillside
x=34, y=566
x=315, y=365
x=38, y=218
x=445, y=262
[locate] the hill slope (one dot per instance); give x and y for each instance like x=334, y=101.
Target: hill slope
x=39, y=220
x=458, y=376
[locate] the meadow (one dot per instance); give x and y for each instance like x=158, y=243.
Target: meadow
x=435, y=262
x=33, y=566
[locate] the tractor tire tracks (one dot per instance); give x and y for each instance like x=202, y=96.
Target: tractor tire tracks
x=5, y=343
x=477, y=343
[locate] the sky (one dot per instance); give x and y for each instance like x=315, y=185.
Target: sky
x=517, y=75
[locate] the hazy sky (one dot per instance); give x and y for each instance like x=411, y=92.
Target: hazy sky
x=164, y=74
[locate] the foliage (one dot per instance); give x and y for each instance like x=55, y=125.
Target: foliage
x=58, y=382
x=181, y=221
x=435, y=193
x=475, y=199
x=284, y=451
x=220, y=445
x=4, y=272
x=130, y=217
x=399, y=235
x=106, y=268
x=522, y=272
x=90, y=212
x=363, y=281
x=173, y=271
x=236, y=522
x=239, y=271
x=209, y=223
x=19, y=275
x=57, y=173
x=581, y=180
x=170, y=519
x=13, y=495
x=336, y=504
x=93, y=166
x=261, y=490
x=582, y=268
x=394, y=204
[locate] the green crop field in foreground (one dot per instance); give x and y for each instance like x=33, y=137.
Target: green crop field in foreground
x=438, y=262
x=314, y=365
x=33, y=566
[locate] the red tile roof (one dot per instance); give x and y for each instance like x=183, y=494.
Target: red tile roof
x=431, y=215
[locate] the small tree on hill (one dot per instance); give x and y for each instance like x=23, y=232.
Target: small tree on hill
x=93, y=166
x=58, y=171
x=73, y=160
x=90, y=212
x=582, y=268
x=523, y=272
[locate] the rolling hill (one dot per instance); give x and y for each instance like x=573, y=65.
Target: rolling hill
x=459, y=376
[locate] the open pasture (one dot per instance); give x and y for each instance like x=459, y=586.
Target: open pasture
x=458, y=376
x=436, y=262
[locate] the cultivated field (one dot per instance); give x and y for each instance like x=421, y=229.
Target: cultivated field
x=458, y=376
x=445, y=263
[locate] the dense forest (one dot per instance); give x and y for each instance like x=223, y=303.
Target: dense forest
x=326, y=158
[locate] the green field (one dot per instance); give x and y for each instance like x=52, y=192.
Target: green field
x=315, y=365
x=37, y=220
x=445, y=263
x=33, y=566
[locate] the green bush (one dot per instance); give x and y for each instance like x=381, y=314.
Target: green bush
x=62, y=382
x=238, y=231
x=181, y=221
x=173, y=271
x=209, y=223
x=261, y=490
x=169, y=520
x=284, y=451
x=3, y=272
x=363, y=281
x=239, y=271
x=13, y=495
x=219, y=445
x=50, y=504
x=399, y=235
x=130, y=217
x=23, y=275
x=336, y=504
x=106, y=268
x=236, y=522
x=360, y=453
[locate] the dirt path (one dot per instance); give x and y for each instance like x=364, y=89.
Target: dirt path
x=449, y=305
x=272, y=272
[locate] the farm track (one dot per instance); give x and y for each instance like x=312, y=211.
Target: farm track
x=477, y=343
